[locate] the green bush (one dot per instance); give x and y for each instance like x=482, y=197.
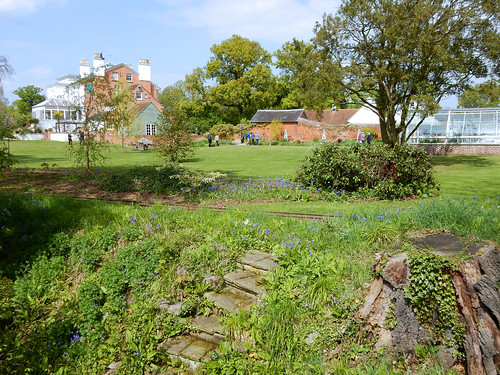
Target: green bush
x=377, y=170
x=169, y=178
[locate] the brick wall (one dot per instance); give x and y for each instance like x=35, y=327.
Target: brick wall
x=460, y=149
x=306, y=130
x=113, y=138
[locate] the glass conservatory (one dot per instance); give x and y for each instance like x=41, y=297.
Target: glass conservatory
x=463, y=125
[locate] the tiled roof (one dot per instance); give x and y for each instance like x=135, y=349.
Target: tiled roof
x=287, y=115
x=338, y=117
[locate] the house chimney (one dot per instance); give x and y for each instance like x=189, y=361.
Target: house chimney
x=84, y=67
x=99, y=64
x=144, y=70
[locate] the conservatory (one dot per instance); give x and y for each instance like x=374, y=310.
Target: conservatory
x=463, y=125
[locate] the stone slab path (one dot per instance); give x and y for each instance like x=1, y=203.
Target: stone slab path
x=242, y=290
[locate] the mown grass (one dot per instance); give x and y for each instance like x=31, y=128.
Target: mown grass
x=466, y=175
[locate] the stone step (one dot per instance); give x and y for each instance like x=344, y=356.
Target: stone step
x=189, y=349
x=209, y=329
x=208, y=324
x=246, y=281
x=232, y=299
x=257, y=262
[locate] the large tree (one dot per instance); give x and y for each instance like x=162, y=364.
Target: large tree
x=485, y=94
x=29, y=96
x=238, y=79
x=305, y=80
x=401, y=57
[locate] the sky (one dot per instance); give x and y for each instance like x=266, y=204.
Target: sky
x=45, y=39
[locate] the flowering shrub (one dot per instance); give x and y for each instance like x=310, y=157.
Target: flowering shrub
x=377, y=170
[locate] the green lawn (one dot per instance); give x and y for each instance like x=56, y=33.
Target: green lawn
x=250, y=161
x=31, y=154
x=467, y=175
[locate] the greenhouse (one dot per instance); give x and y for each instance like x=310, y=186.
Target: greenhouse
x=463, y=125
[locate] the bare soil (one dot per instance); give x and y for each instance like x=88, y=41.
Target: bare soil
x=78, y=185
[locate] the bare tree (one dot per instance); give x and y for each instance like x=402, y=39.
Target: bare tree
x=6, y=70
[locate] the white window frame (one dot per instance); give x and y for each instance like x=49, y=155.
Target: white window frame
x=114, y=76
x=129, y=77
x=138, y=95
x=150, y=129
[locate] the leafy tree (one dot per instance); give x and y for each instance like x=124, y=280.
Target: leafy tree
x=121, y=112
x=305, y=80
x=91, y=109
x=183, y=96
x=243, y=81
x=401, y=57
x=173, y=132
x=482, y=95
x=29, y=96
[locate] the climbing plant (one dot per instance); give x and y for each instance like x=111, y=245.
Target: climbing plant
x=432, y=296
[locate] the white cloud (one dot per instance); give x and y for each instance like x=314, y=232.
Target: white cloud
x=263, y=20
x=22, y=7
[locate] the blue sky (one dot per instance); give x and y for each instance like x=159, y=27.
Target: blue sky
x=45, y=39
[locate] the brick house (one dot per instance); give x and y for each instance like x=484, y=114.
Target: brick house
x=140, y=85
x=68, y=94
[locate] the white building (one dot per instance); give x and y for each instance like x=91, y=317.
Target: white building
x=65, y=99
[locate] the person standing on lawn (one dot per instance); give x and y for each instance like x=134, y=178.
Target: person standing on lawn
x=209, y=137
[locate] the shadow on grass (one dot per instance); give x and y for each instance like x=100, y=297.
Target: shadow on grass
x=33, y=160
x=31, y=226
x=193, y=159
x=470, y=160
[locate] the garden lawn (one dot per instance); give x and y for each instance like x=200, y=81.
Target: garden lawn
x=32, y=154
x=250, y=161
x=467, y=175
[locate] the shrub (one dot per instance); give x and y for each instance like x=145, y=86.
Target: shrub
x=377, y=170
x=276, y=129
x=5, y=160
x=170, y=178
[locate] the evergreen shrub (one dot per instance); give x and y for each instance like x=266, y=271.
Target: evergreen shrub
x=376, y=170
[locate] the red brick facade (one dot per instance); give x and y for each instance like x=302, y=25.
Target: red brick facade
x=460, y=149
x=148, y=91
x=306, y=131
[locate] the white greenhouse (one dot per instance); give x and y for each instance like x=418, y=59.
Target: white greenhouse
x=459, y=126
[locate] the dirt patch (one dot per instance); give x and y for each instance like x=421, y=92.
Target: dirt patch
x=78, y=185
